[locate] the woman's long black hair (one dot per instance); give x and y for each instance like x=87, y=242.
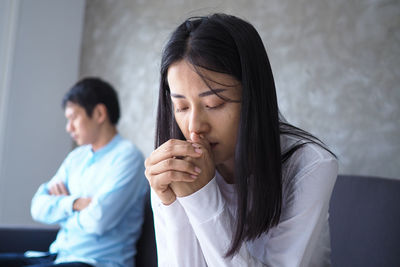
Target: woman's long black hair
x=227, y=44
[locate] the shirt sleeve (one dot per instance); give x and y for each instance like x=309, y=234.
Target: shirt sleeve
x=51, y=209
x=305, y=212
x=125, y=189
x=291, y=243
x=177, y=244
x=212, y=224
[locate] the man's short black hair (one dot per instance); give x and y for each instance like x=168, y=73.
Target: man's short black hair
x=91, y=91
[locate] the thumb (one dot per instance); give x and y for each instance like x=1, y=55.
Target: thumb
x=195, y=137
x=199, y=139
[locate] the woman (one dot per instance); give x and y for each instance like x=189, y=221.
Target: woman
x=232, y=183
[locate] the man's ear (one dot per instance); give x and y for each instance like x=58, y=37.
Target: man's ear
x=100, y=113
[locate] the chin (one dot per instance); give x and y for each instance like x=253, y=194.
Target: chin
x=218, y=160
x=223, y=159
x=78, y=142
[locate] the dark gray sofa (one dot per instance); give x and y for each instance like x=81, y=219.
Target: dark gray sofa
x=365, y=222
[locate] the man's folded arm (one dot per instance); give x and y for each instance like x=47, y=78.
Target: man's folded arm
x=124, y=190
x=52, y=209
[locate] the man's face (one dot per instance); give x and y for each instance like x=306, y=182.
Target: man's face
x=80, y=126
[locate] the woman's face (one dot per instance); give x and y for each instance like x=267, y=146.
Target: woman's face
x=198, y=110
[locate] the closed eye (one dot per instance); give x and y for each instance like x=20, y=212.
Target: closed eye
x=216, y=106
x=177, y=110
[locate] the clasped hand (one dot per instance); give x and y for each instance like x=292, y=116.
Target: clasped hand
x=179, y=168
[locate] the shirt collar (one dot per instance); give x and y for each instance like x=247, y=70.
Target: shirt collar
x=105, y=149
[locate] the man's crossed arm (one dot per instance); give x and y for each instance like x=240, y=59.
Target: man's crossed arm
x=59, y=189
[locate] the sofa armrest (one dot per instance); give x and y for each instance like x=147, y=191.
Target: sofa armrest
x=146, y=246
x=21, y=238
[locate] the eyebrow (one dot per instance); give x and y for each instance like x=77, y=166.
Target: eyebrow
x=206, y=93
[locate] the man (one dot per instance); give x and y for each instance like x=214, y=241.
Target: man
x=97, y=194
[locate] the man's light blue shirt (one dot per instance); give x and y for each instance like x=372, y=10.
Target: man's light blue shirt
x=105, y=232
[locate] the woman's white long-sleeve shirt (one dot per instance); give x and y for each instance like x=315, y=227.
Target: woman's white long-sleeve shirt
x=197, y=230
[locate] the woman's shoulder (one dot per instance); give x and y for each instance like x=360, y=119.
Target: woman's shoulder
x=307, y=159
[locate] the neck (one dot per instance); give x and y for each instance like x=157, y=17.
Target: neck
x=106, y=134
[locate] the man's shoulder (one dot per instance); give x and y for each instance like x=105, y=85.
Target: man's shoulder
x=126, y=148
x=79, y=151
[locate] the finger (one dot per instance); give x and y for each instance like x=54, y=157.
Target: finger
x=173, y=148
x=59, y=189
x=55, y=189
x=173, y=164
x=66, y=189
x=63, y=189
x=176, y=149
x=166, y=196
x=199, y=140
x=164, y=192
x=79, y=204
x=195, y=137
x=86, y=202
x=52, y=190
x=161, y=181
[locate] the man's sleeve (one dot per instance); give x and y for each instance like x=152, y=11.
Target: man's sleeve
x=50, y=209
x=124, y=190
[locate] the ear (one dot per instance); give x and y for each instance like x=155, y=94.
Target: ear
x=100, y=113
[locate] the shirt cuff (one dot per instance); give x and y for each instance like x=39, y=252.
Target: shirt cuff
x=174, y=213
x=204, y=204
x=66, y=204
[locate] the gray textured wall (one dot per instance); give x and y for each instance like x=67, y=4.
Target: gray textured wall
x=336, y=66
x=43, y=63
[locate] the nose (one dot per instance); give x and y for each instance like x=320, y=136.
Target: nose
x=198, y=122
x=68, y=127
